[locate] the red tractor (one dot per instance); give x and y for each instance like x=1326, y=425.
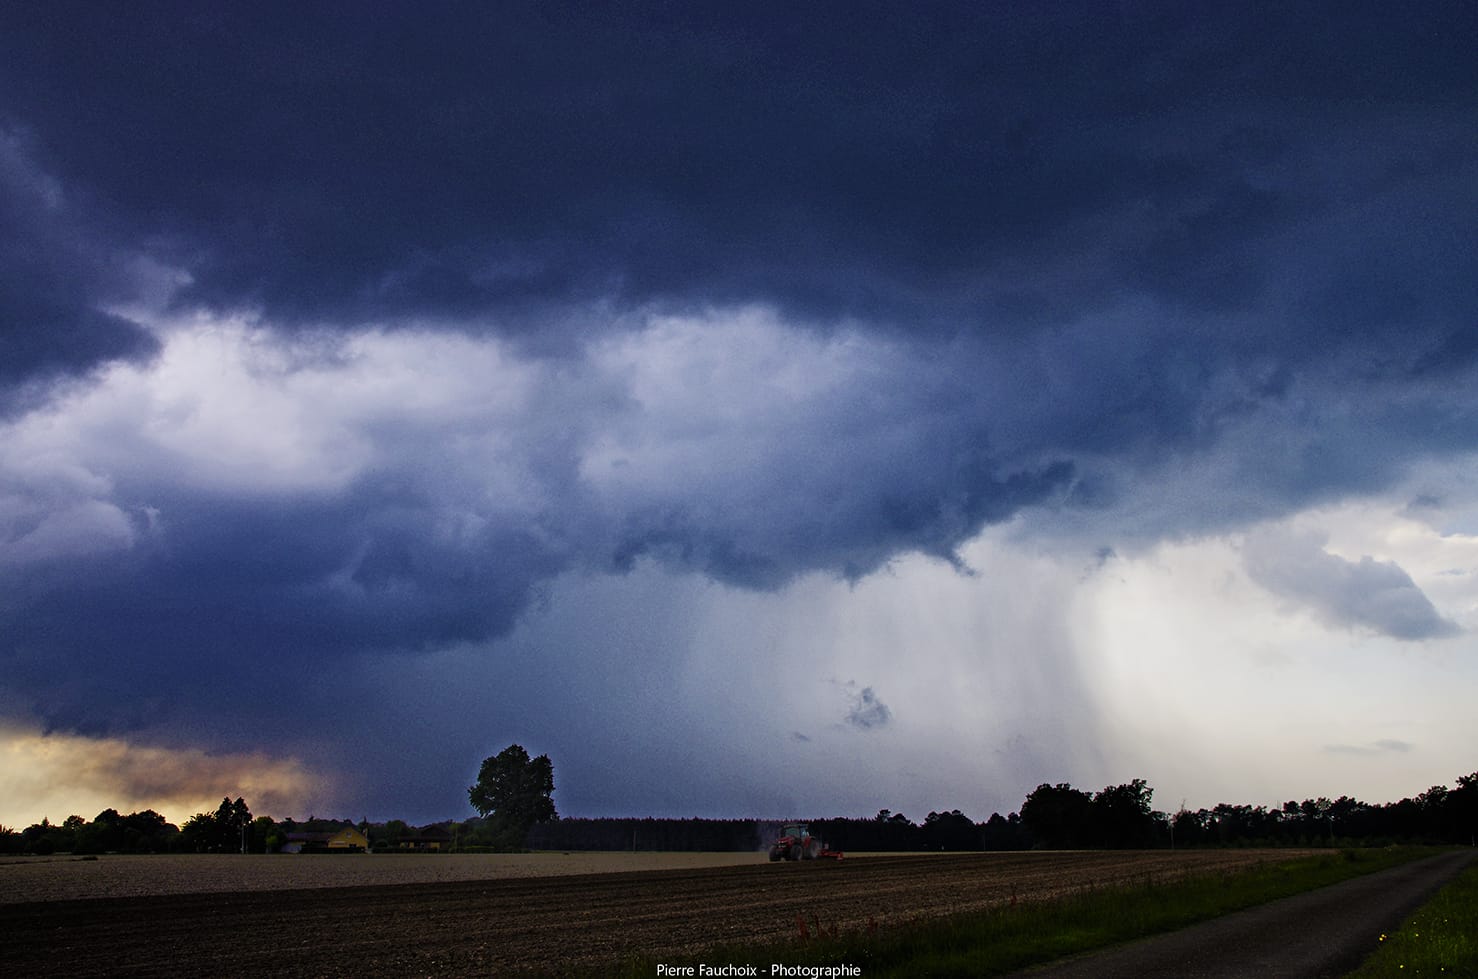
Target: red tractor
x=797, y=843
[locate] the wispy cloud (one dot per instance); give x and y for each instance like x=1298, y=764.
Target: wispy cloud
x=867, y=712
x=1382, y=747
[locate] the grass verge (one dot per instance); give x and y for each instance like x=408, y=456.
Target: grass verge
x=1439, y=939
x=1005, y=939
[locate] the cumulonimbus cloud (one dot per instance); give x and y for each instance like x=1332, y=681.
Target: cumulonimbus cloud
x=463, y=302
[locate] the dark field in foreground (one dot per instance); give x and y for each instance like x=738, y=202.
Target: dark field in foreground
x=488, y=927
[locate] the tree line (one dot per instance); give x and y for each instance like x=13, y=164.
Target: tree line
x=146, y=831
x=516, y=811
x=885, y=832
x=231, y=828
x=1059, y=816
x=1062, y=817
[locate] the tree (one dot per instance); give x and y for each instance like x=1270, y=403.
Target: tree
x=149, y=831
x=1057, y=815
x=264, y=835
x=951, y=830
x=104, y=833
x=514, y=790
x=223, y=831
x=1120, y=816
x=388, y=836
x=39, y=837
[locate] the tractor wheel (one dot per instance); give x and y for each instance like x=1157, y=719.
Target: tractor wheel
x=774, y=853
x=795, y=852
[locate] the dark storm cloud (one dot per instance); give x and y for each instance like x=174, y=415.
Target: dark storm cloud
x=853, y=533
x=52, y=279
x=1077, y=246
x=233, y=592
x=1371, y=594
x=968, y=166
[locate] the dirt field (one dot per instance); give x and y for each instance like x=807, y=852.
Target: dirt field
x=65, y=878
x=491, y=926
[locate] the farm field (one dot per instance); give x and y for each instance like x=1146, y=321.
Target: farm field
x=64, y=878
x=492, y=926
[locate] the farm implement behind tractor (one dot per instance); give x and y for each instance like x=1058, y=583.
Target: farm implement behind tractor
x=797, y=843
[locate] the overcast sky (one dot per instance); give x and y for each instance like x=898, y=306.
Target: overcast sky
x=763, y=412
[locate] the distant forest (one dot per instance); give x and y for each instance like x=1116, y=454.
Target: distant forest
x=1051, y=817
x=1062, y=817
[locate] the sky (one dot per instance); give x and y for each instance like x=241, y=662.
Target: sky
x=761, y=411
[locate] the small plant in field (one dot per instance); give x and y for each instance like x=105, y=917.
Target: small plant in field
x=805, y=931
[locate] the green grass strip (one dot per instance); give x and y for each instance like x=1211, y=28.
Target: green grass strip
x=1439, y=939
x=1004, y=939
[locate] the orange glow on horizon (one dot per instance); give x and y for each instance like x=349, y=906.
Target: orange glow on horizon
x=60, y=775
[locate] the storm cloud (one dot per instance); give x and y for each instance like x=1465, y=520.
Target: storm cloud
x=54, y=278
x=336, y=344
x=1368, y=594
x=962, y=169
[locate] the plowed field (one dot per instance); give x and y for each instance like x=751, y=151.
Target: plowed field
x=491, y=927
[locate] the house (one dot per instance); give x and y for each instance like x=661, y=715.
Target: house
x=346, y=840
x=426, y=841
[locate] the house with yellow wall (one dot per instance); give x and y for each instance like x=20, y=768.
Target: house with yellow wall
x=346, y=840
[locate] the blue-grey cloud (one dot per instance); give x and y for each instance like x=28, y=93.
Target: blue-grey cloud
x=54, y=280
x=1138, y=271
x=973, y=168
x=1370, y=594
x=867, y=712
x=379, y=526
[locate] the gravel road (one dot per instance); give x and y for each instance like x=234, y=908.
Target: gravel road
x=1327, y=932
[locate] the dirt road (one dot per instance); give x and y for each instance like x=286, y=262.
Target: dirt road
x=1321, y=933
x=481, y=928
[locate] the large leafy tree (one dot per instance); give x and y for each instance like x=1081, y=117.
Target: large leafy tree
x=1059, y=816
x=221, y=831
x=515, y=791
x=1120, y=816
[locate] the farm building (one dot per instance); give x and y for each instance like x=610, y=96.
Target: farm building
x=426, y=841
x=347, y=840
